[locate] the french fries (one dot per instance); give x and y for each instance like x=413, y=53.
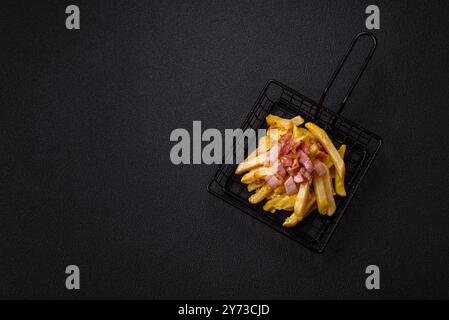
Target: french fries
x=280, y=202
x=329, y=193
x=255, y=185
x=257, y=174
x=278, y=122
x=300, y=133
x=312, y=170
x=300, y=206
x=322, y=200
x=260, y=194
x=297, y=121
x=340, y=180
x=251, y=163
x=322, y=136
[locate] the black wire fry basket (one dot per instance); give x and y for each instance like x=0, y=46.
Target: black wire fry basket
x=276, y=98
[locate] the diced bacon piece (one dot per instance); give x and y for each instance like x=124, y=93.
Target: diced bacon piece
x=290, y=186
x=281, y=170
x=299, y=178
x=286, y=144
x=286, y=162
x=284, y=138
x=318, y=168
x=305, y=147
x=308, y=175
x=273, y=181
x=293, y=171
x=297, y=146
x=305, y=161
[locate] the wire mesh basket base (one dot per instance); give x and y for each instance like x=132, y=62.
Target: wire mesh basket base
x=315, y=230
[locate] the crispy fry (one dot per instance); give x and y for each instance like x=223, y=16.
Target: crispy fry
x=310, y=201
x=329, y=193
x=328, y=162
x=342, y=151
x=322, y=136
x=257, y=174
x=286, y=203
x=331, y=171
x=261, y=193
x=313, y=150
x=251, y=163
x=300, y=206
x=311, y=204
x=278, y=122
x=320, y=193
x=255, y=185
x=273, y=135
x=271, y=204
x=312, y=207
x=300, y=133
x=340, y=180
x=297, y=121
x=279, y=190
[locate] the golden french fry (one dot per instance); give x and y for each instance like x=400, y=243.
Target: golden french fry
x=249, y=176
x=312, y=207
x=340, y=180
x=311, y=204
x=258, y=173
x=331, y=171
x=297, y=121
x=255, y=185
x=328, y=163
x=296, y=132
x=322, y=136
x=287, y=202
x=279, y=190
x=277, y=133
x=251, y=163
x=320, y=193
x=313, y=150
x=260, y=194
x=272, y=137
x=278, y=122
x=329, y=193
x=300, y=133
x=284, y=202
x=300, y=206
x=270, y=204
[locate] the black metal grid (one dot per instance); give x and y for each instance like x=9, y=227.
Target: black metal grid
x=315, y=230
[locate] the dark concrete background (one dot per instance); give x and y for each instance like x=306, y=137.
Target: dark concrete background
x=85, y=174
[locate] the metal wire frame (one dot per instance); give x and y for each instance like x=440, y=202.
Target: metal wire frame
x=314, y=231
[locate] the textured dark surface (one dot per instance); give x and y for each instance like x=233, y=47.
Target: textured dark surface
x=85, y=174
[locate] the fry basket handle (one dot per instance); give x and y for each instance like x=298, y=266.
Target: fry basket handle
x=360, y=72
